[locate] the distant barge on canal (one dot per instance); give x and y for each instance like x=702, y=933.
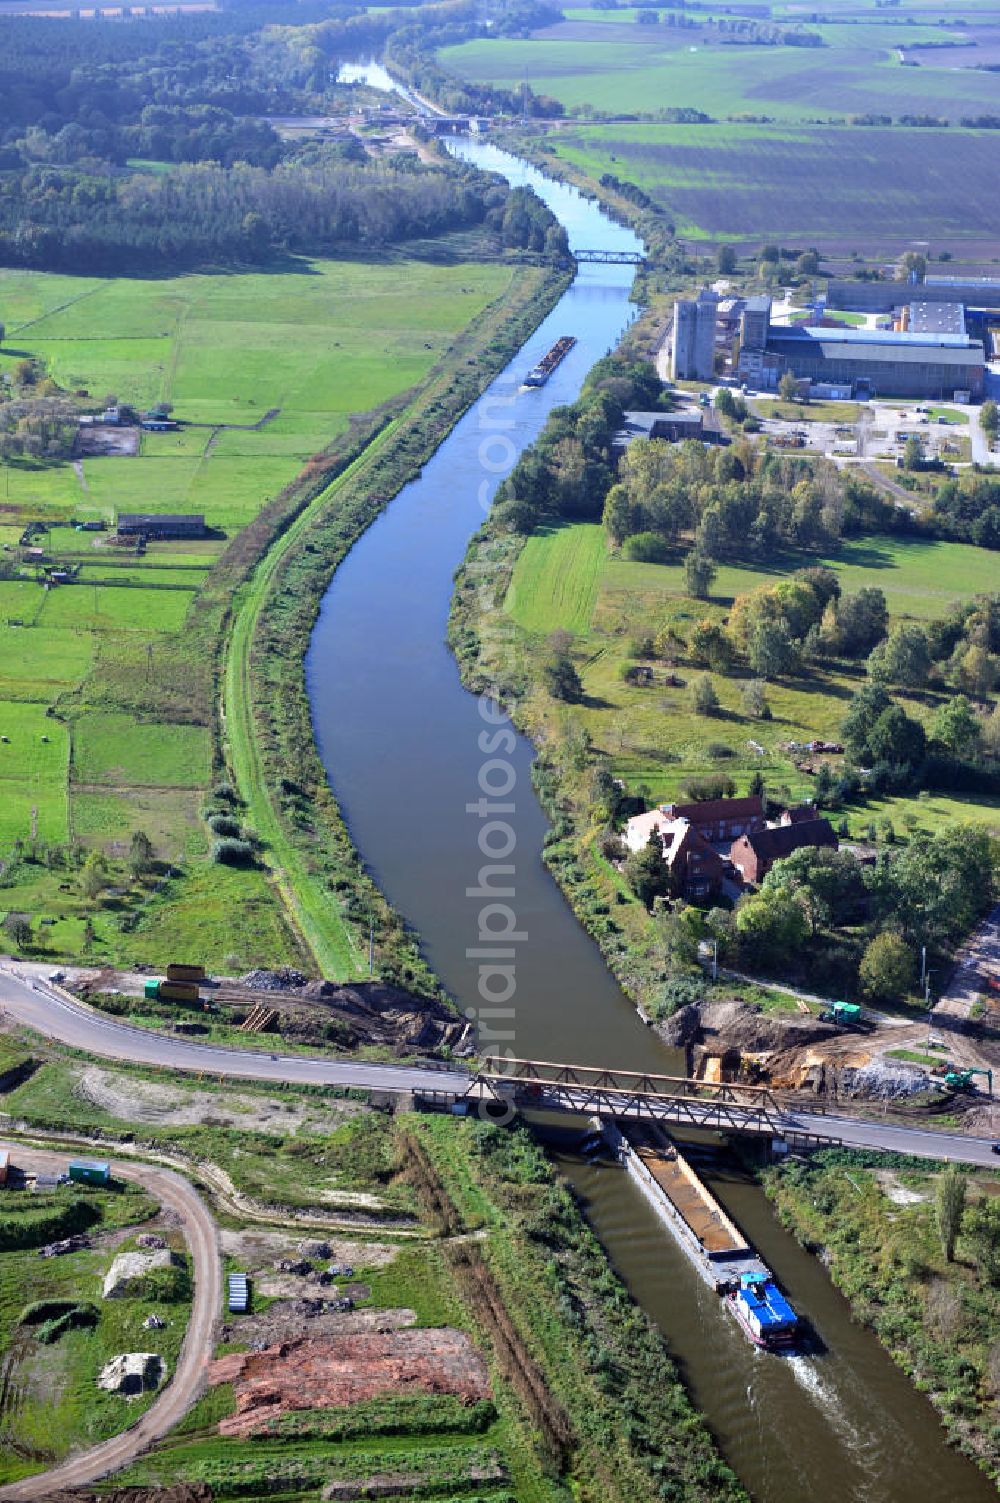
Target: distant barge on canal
x=706, y=1235
x=540, y=373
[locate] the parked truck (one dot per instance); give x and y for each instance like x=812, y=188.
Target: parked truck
x=846, y=1014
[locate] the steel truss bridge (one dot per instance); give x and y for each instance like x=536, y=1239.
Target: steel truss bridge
x=610, y=257
x=586, y=1091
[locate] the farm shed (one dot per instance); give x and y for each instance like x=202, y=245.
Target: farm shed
x=161, y=524
x=90, y=1172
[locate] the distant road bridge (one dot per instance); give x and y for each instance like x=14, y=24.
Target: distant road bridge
x=611, y=257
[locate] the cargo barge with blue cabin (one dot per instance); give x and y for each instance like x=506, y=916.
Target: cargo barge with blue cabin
x=706, y=1235
x=540, y=373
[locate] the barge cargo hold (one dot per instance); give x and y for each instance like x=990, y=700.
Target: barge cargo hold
x=705, y=1234
x=540, y=373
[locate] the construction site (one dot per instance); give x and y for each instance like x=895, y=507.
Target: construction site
x=841, y=1053
x=277, y=1004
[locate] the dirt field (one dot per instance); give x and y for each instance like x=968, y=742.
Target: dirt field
x=258, y=1250
x=331, y=1372
x=286, y=1321
x=185, y=1106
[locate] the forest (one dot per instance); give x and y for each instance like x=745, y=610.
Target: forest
x=80, y=102
x=53, y=219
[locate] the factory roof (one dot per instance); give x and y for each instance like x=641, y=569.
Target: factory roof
x=878, y=344
x=937, y=318
x=988, y=284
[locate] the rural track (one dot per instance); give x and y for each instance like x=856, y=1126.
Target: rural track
x=188, y=1378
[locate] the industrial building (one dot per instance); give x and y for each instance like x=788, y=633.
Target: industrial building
x=849, y=362
x=692, y=351
x=883, y=297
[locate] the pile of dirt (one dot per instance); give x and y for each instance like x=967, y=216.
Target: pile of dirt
x=729, y=1030
x=880, y=1080
x=130, y=1270
x=285, y=1320
x=334, y=1371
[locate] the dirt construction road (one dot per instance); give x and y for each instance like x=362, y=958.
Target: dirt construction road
x=174, y=1193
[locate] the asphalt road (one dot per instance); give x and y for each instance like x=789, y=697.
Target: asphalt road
x=186, y=1382
x=52, y=1012
x=58, y=1016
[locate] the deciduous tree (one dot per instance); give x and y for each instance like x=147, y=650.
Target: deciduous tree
x=949, y=1209
x=887, y=969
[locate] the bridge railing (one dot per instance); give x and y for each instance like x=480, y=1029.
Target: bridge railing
x=545, y=1073
x=611, y=257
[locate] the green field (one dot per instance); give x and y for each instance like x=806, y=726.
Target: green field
x=264, y=372
x=641, y=73
x=53, y=1404
x=566, y=579
x=843, y=186
x=557, y=579
x=115, y=749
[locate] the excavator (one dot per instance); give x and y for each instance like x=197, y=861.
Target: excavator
x=961, y=1080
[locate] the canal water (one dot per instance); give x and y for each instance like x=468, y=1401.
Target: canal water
x=434, y=790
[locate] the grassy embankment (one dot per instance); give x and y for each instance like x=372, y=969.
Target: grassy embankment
x=56, y=1330
x=267, y=709
x=460, y=1223
x=565, y=578
x=109, y=701
x=873, y=1223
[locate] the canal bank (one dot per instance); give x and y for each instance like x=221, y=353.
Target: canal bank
x=436, y=790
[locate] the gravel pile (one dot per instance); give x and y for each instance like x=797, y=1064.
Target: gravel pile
x=285, y=979
x=879, y=1081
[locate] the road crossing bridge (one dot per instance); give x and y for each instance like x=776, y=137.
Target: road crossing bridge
x=678, y=1100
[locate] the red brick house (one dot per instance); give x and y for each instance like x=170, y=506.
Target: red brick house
x=754, y=854
x=695, y=867
x=720, y=819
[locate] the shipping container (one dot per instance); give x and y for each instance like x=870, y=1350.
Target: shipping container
x=178, y=991
x=239, y=1293
x=90, y=1172
x=185, y=973
x=151, y=988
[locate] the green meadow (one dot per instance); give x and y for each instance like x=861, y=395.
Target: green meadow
x=263, y=372
x=565, y=579
x=647, y=72
x=56, y=1407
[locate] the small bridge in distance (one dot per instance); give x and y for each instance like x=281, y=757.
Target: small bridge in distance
x=610, y=257
x=590, y=1091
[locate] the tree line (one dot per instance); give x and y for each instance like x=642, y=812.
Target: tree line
x=204, y=214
